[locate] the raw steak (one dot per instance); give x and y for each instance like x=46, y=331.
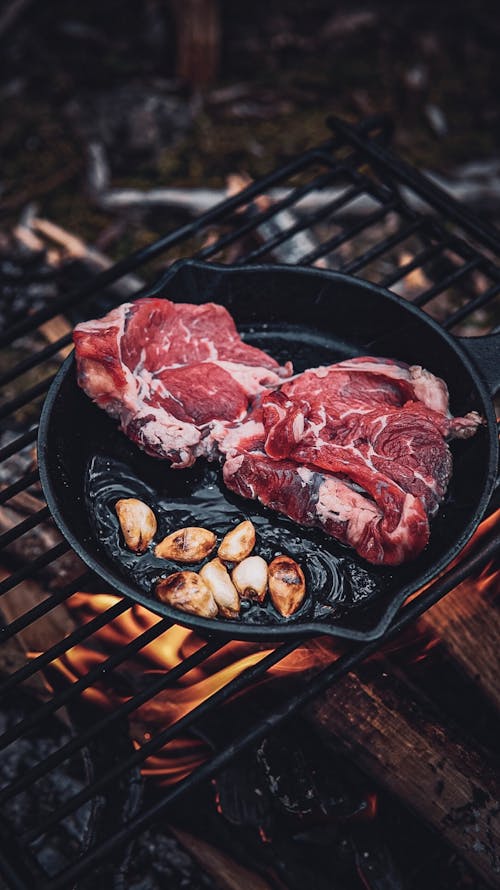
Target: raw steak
x=171, y=371
x=357, y=448
x=389, y=531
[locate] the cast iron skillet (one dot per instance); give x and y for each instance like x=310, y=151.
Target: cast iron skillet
x=313, y=317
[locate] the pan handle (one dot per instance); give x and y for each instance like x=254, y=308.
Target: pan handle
x=485, y=353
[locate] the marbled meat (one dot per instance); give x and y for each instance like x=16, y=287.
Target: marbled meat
x=170, y=371
x=358, y=449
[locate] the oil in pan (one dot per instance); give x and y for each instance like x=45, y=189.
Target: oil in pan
x=336, y=583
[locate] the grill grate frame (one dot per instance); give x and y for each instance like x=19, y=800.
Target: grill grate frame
x=358, y=158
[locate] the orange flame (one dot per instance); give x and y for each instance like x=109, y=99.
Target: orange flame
x=182, y=755
x=166, y=651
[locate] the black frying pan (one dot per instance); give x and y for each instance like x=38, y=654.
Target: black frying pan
x=313, y=317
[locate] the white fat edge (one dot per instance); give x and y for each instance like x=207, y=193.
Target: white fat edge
x=233, y=464
x=107, y=321
x=306, y=476
x=116, y=320
x=430, y=390
x=355, y=510
x=386, y=368
x=230, y=438
x=213, y=353
x=298, y=427
x=186, y=330
x=129, y=397
x=164, y=429
x=252, y=378
x=139, y=368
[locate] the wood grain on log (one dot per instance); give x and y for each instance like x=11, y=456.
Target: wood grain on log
x=38, y=636
x=468, y=626
x=228, y=874
x=405, y=747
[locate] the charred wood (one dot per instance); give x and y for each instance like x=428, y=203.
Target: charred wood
x=402, y=745
x=467, y=625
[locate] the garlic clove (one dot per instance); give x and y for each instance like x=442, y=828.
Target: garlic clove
x=250, y=578
x=188, y=592
x=287, y=585
x=189, y=544
x=238, y=543
x=216, y=577
x=137, y=522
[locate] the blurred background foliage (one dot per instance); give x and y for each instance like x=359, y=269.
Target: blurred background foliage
x=108, y=71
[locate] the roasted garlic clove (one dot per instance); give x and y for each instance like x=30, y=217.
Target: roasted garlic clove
x=190, y=544
x=216, y=577
x=250, y=578
x=188, y=592
x=287, y=585
x=238, y=543
x=137, y=522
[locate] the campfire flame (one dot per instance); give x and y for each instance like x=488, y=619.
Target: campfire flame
x=169, y=649
x=180, y=756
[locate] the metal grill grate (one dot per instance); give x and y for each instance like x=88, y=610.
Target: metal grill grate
x=409, y=231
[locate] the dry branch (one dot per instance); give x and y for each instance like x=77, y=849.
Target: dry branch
x=76, y=249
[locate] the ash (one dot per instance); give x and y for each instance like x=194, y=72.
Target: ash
x=159, y=862
x=31, y=807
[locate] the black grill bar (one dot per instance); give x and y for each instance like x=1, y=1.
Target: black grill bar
x=93, y=676
x=77, y=636
x=41, y=769
x=446, y=242
x=470, y=307
x=283, y=711
x=39, y=563
x=257, y=219
x=16, y=445
x=22, y=527
x=382, y=247
x=145, y=254
x=21, y=485
x=250, y=675
x=25, y=398
x=394, y=167
x=429, y=253
x=305, y=222
x=344, y=236
x=450, y=280
x=44, y=607
x=32, y=361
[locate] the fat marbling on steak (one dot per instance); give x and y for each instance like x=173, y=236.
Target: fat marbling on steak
x=357, y=448
x=169, y=371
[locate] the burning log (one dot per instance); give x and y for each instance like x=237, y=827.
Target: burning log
x=228, y=873
x=399, y=742
x=468, y=628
